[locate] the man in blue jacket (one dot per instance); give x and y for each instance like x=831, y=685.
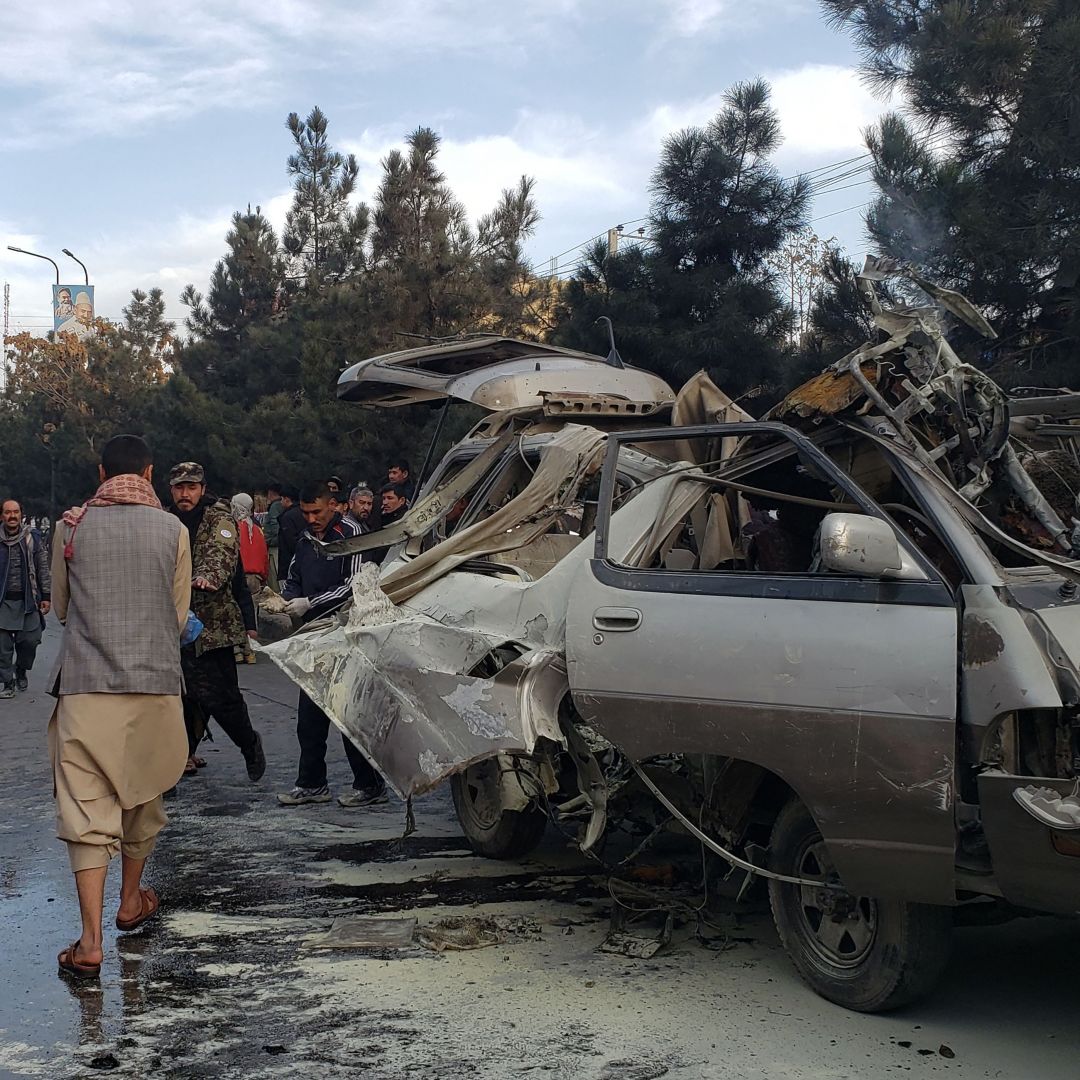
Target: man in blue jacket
x=25, y=596
x=316, y=586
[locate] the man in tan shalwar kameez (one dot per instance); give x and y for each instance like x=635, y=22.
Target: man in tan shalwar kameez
x=121, y=583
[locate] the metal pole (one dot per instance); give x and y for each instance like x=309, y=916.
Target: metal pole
x=431, y=447
x=86, y=273
x=23, y=251
x=52, y=487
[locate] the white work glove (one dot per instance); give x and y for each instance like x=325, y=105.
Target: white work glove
x=298, y=608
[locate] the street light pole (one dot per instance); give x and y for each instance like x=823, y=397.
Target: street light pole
x=23, y=251
x=86, y=275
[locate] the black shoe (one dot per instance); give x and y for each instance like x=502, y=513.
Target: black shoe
x=7, y=690
x=21, y=681
x=256, y=760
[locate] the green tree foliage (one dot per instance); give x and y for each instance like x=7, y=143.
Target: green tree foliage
x=980, y=178
x=246, y=286
x=433, y=273
x=235, y=352
x=254, y=393
x=325, y=234
x=703, y=294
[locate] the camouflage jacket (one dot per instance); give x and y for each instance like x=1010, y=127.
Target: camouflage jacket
x=217, y=547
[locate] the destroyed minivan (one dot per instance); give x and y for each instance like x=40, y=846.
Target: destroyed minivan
x=839, y=645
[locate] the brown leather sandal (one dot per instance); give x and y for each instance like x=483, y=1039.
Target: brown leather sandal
x=150, y=904
x=71, y=965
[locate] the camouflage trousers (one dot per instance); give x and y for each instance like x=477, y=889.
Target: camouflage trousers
x=211, y=690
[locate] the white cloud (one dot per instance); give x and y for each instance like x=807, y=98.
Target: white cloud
x=569, y=162
x=720, y=18
x=823, y=108
x=116, y=66
x=666, y=119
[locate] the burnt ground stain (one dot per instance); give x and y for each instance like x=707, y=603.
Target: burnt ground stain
x=438, y=892
x=409, y=847
x=226, y=810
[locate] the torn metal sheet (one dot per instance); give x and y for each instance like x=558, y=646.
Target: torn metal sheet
x=404, y=683
x=363, y=932
x=638, y=946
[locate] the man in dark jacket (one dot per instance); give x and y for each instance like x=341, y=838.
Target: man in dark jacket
x=210, y=682
x=25, y=596
x=395, y=503
x=291, y=526
x=316, y=586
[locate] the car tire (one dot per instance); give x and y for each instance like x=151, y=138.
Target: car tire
x=490, y=830
x=865, y=954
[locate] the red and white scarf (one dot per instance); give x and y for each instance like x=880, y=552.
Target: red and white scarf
x=128, y=489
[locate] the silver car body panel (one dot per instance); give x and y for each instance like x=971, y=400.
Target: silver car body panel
x=398, y=679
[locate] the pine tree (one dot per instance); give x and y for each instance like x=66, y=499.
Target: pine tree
x=703, y=294
x=324, y=234
x=247, y=285
x=434, y=274
x=980, y=178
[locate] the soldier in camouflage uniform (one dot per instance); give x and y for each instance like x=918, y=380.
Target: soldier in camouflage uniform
x=211, y=688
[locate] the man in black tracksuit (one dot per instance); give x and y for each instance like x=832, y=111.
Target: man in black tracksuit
x=314, y=587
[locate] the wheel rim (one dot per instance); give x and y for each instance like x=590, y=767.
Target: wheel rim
x=481, y=789
x=838, y=927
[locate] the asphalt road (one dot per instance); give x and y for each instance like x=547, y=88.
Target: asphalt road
x=234, y=979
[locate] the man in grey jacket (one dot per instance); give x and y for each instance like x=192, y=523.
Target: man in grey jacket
x=121, y=571
x=25, y=597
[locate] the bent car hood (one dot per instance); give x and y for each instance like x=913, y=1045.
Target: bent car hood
x=499, y=374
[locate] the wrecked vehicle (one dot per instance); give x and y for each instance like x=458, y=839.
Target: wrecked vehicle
x=840, y=646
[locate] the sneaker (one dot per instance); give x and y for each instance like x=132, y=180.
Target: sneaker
x=300, y=795
x=256, y=760
x=368, y=796
x=21, y=681
x=8, y=690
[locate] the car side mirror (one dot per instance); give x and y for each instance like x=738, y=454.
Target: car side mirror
x=858, y=545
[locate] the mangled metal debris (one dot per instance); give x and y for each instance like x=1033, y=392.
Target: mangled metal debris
x=366, y=932
x=954, y=418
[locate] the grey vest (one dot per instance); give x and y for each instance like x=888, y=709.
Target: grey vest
x=121, y=635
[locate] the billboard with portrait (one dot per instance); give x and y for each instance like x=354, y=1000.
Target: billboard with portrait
x=73, y=310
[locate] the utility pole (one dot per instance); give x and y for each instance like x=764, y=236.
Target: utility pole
x=613, y=241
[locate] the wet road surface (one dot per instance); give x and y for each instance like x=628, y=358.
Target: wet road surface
x=232, y=980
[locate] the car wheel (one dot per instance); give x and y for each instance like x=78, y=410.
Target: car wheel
x=490, y=829
x=865, y=954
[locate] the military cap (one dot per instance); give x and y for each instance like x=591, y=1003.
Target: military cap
x=187, y=472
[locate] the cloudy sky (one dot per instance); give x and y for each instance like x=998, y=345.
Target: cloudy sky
x=131, y=131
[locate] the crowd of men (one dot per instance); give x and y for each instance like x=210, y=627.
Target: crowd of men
x=157, y=603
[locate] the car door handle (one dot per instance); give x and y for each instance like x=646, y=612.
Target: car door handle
x=616, y=619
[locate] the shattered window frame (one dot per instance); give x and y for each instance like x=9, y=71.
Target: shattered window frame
x=934, y=590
